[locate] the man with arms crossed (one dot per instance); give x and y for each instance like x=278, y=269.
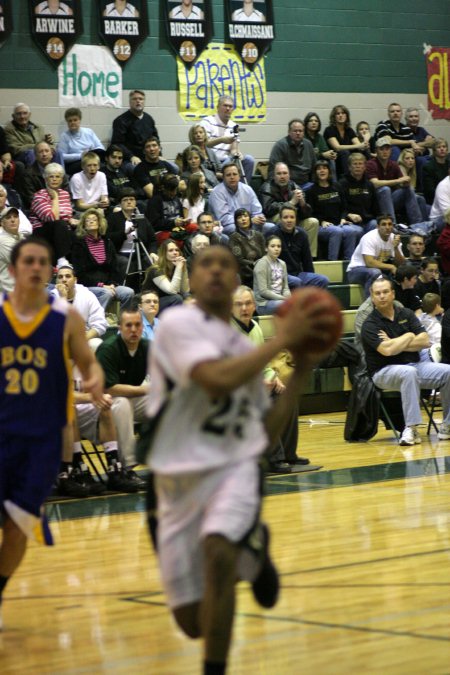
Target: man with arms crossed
x=38, y=336
x=215, y=425
x=392, y=338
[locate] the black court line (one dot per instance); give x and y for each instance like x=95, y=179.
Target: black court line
x=425, y=584
x=373, y=561
x=345, y=626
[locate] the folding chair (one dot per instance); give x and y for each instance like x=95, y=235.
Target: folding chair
x=89, y=454
x=394, y=422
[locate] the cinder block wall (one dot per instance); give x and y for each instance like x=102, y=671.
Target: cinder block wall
x=363, y=55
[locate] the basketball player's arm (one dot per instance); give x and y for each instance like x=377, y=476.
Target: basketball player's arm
x=80, y=352
x=222, y=376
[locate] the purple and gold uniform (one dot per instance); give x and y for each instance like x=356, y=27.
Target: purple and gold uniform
x=35, y=404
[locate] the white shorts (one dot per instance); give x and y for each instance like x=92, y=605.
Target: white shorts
x=224, y=501
x=87, y=419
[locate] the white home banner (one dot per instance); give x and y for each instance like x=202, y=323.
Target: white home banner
x=90, y=76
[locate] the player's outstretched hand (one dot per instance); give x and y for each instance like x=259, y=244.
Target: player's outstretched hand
x=95, y=383
x=310, y=324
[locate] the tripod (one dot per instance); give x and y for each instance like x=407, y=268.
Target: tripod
x=236, y=156
x=139, y=252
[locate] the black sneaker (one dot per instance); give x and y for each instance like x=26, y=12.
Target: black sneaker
x=279, y=467
x=141, y=483
x=298, y=461
x=118, y=480
x=85, y=477
x=70, y=485
x=266, y=586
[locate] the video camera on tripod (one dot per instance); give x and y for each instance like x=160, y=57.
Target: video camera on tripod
x=236, y=131
x=135, y=218
x=139, y=256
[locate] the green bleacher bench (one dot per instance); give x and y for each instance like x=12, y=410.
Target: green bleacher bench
x=327, y=389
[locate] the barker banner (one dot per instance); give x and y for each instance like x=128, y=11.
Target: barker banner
x=219, y=71
x=438, y=82
x=5, y=20
x=123, y=26
x=55, y=26
x=250, y=27
x=189, y=27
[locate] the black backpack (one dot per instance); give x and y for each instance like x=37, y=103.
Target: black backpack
x=361, y=423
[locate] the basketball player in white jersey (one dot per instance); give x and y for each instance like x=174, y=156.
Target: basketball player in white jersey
x=53, y=8
x=216, y=424
x=187, y=11
x=248, y=13
x=120, y=9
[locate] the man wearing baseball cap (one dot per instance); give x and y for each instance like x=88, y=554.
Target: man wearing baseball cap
x=394, y=192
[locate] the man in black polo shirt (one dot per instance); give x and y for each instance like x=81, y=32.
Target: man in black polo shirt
x=132, y=128
x=151, y=170
x=123, y=358
x=393, y=338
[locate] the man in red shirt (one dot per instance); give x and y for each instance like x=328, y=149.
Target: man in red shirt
x=393, y=188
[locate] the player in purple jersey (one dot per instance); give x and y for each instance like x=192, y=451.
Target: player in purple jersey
x=38, y=337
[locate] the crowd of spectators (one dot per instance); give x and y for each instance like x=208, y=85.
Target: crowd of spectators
x=125, y=220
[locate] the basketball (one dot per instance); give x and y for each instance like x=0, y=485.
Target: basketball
x=305, y=297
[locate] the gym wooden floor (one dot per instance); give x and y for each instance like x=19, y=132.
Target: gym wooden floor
x=363, y=548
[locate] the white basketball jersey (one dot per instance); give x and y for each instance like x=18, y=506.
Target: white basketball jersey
x=197, y=433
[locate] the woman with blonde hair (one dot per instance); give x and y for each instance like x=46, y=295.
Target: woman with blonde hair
x=96, y=262
x=168, y=277
x=198, y=137
x=407, y=163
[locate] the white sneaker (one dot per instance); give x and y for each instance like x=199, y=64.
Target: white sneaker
x=417, y=438
x=407, y=437
x=444, y=432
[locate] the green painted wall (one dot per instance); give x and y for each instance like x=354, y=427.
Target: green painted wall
x=321, y=45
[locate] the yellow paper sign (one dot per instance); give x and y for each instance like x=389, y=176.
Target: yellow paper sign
x=219, y=71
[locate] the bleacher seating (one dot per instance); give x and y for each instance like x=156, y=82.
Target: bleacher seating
x=327, y=389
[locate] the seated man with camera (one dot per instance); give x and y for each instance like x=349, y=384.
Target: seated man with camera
x=223, y=136
x=127, y=227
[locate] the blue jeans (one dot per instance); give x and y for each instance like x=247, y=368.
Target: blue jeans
x=402, y=199
x=369, y=225
x=270, y=307
x=337, y=235
x=364, y=276
x=410, y=379
x=123, y=294
x=307, y=279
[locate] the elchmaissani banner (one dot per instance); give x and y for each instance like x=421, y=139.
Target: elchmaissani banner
x=5, y=20
x=55, y=26
x=250, y=28
x=189, y=27
x=123, y=26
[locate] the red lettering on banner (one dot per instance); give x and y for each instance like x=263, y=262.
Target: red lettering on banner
x=438, y=80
